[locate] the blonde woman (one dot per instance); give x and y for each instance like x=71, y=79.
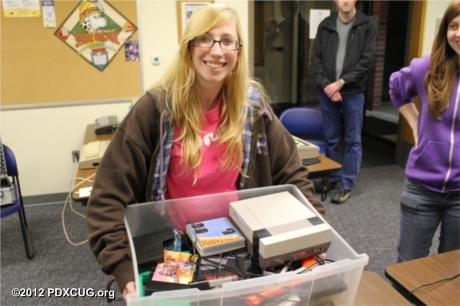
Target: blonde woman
x=431, y=192
x=205, y=128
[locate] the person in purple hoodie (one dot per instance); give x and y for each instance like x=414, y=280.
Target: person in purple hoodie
x=432, y=187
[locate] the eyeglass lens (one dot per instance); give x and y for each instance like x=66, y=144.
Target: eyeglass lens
x=225, y=44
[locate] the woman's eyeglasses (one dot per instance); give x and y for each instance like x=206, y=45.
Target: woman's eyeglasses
x=227, y=44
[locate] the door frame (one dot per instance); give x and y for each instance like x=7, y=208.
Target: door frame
x=405, y=138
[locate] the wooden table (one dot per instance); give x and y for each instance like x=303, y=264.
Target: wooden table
x=322, y=170
x=374, y=290
x=90, y=136
x=412, y=274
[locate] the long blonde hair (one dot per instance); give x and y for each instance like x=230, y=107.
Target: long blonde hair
x=185, y=104
x=440, y=79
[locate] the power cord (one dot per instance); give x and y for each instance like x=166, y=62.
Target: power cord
x=68, y=200
x=433, y=283
x=320, y=262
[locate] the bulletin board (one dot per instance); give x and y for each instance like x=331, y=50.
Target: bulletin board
x=37, y=67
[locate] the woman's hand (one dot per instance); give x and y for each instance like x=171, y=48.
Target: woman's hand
x=410, y=113
x=129, y=288
x=415, y=133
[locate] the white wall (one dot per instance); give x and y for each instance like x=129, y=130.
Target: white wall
x=158, y=34
x=43, y=138
x=434, y=10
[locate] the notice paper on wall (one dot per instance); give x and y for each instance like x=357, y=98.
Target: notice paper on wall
x=21, y=8
x=49, y=15
x=316, y=16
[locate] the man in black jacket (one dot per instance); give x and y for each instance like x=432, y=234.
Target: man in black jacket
x=343, y=53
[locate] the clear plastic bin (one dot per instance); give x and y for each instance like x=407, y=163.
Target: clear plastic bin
x=330, y=284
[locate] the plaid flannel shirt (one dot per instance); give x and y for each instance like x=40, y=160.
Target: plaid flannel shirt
x=159, y=177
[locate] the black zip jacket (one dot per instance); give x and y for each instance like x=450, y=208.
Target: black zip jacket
x=359, y=54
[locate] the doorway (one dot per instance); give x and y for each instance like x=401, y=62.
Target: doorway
x=284, y=67
x=382, y=121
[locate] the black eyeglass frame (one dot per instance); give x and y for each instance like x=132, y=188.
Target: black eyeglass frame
x=219, y=41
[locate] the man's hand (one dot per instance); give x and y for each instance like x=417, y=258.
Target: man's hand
x=337, y=97
x=129, y=288
x=333, y=88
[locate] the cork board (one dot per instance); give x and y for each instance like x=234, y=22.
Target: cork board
x=36, y=67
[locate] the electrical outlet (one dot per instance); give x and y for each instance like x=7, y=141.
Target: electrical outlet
x=75, y=156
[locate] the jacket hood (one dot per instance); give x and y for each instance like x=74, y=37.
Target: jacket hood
x=159, y=96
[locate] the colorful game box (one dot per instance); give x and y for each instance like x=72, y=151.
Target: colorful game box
x=177, y=268
x=215, y=236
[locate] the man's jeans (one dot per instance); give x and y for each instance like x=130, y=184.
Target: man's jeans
x=421, y=212
x=351, y=110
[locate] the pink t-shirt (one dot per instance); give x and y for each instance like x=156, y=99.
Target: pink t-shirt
x=211, y=179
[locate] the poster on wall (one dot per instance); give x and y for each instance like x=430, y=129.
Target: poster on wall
x=185, y=10
x=316, y=16
x=49, y=15
x=132, y=50
x=21, y=8
x=96, y=32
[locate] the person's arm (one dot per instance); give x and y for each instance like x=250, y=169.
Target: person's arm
x=410, y=113
x=319, y=73
x=111, y=193
x=128, y=289
x=317, y=66
x=367, y=58
x=403, y=88
x=120, y=180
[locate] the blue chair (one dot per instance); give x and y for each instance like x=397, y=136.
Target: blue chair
x=18, y=205
x=305, y=123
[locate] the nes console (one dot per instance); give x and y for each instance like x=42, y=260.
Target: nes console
x=278, y=228
x=306, y=149
x=91, y=154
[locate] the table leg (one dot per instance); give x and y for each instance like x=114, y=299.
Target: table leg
x=323, y=194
